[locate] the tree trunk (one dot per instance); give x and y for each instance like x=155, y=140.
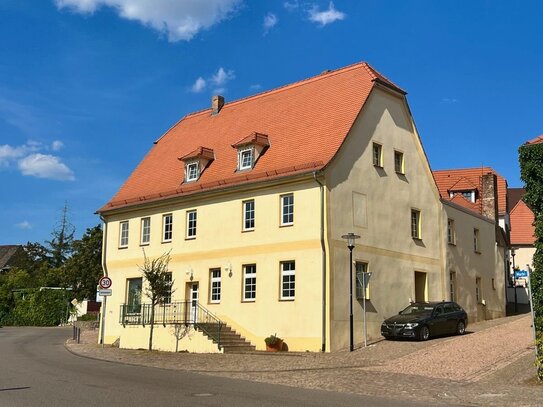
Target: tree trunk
x=152, y=325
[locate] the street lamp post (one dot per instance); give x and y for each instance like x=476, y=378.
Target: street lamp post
x=350, y=237
x=514, y=278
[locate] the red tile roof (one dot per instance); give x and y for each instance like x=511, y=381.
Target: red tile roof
x=306, y=123
x=253, y=138
x=457, y=180
x=537, y=140
x=200, y=152
x=522, y=229
x=459, y=199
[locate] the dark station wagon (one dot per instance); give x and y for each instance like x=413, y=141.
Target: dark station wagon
x=421, y=320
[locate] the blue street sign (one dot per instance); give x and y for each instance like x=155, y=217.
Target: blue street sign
x=521, y=273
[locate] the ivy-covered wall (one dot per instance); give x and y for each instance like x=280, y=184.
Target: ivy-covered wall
x=531, y=172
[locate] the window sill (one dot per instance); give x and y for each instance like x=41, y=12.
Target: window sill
x=249, y=300
x=166, y=241
x=378, y=166
x=451, y=243
x=144, y=244
x=286, y=225
x=418, y=239
x=288, y=299
x=400, y=172
x=477, y=251
x=190, y=238
x=122, y=247
x=247, y=230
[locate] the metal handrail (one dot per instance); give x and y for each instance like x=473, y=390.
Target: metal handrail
x=180, y=312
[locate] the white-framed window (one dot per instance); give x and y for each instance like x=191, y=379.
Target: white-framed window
x=145, y=231
x=361, y=268
x=249, y=282
x=192, y=171
x=168, y=297
x=167, y=227
x=215, y=285
x=123, y=234
x=288, y=280
x=476, y=247
x=133, y=295
x=191, y=224
x=377, y=154
x=287, y=209
x=399, y=162
x=245, y=158
x=451, y=232
x=415, y=224
x=249, y=215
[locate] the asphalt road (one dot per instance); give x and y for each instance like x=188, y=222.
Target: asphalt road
x=36, y=370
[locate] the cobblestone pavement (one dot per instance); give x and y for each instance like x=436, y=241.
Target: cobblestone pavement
x=491, y=365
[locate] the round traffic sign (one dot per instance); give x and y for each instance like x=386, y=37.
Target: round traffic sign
x=105, y=282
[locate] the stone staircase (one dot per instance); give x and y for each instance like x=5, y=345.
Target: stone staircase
x=231, y=341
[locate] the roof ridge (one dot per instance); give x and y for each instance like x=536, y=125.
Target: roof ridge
x=301, y=82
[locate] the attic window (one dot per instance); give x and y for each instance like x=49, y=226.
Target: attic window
x=250, y=149
x=196, y=162
x=191, y=171
x=469, y=195
x=245, y=159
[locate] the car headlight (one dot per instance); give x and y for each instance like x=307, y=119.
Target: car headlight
x=411, y=325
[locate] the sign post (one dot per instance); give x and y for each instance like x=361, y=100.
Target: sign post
x=105, y=291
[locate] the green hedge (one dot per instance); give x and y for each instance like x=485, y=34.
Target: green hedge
x=37, y=308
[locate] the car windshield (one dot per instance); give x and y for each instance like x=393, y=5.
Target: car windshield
x=417, y=309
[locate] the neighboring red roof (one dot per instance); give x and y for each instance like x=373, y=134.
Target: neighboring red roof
x=451, y=180
x=522, y=225
x=459, y=199
x=537, y=140
x=307, y=122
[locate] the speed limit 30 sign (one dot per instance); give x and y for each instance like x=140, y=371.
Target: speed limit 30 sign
x=105, y=282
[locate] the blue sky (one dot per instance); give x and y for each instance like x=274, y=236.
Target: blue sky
x=86, y=86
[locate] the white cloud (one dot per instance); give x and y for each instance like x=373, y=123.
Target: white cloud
x=24, y=225
x=222, y=76
x=255, y=87
x=449, y=100
x=9, y=153
x=270, y=20
x=325, y=17
x=45, y=166
x=291, y=5
x=199, y=85
x=57, y=145
x=179, y=20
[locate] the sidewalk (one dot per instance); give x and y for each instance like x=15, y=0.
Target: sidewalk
x=492, y=365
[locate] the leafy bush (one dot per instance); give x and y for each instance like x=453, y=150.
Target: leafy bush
x=37, y=308
x=88, y=317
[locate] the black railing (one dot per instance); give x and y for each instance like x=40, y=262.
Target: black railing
x=181, y=312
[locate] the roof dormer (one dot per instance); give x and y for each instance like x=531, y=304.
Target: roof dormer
x=250, y=149
x=196, y=162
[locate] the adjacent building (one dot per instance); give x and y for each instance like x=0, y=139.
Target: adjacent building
x=251, y=199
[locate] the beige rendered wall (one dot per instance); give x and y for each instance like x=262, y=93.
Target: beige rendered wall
x=376, y=204
x=468, y=265
x=221, y=243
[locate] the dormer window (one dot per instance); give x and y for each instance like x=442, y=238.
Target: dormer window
x=196, y=162
x=245, y=159
x=191, y=171
x=250, y=149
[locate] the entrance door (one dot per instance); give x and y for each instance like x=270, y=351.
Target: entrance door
x=420, y=287
x=193, y=302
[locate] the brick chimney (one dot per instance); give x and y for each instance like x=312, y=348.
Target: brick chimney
x=490, y=196
x=217, y=102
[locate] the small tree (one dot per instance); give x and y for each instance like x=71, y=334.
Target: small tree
x=158, y=286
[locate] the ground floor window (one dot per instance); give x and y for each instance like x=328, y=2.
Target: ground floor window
x=288, y=280
x=361, y=291
x=133, y=295
x=249, y=282
x=215, y=286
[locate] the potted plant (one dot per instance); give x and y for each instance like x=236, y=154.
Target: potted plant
x=273, y=343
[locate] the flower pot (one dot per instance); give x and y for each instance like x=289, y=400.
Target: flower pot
x=276, y=347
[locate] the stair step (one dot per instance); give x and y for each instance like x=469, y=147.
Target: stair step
x=231, y=341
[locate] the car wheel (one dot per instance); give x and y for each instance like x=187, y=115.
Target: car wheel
x=424, y=333
x=461, y=328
